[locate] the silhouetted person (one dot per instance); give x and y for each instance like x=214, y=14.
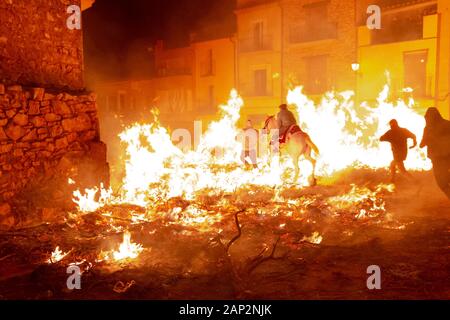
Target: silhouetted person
x=285, y=120
x=398, y=138
x=436, y=136
x=250, y=145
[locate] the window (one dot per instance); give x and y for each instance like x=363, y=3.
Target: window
x=112, y=103
x=316, y=12
x=122, y=101
x=260, y=82
x=415, y=71
x=211, y=99
x=258, y=35
x=208, y=64
x=402, y=26
x=316, y=75
x=315, y=26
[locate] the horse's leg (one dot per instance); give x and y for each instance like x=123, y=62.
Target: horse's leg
x=313, y=162
x=295, y=158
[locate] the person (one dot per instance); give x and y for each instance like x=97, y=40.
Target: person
x=285, y=119
x=398, y=138
x=250, y=145
x=436, y=137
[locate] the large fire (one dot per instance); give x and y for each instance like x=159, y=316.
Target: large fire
x=347, y=135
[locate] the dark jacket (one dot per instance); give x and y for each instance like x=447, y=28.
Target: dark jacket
x=398, y=137
x=285, y=119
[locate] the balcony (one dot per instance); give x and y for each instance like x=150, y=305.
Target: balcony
x=255, y=44
x=208, y=69
x=169, y=72
x=251, y=3
x=310, y=33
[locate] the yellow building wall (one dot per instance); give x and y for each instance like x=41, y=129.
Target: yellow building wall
x=444, y=61
x=222, y=78
x=256, y=107
x=376, y=60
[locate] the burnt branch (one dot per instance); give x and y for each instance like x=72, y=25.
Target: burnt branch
x=239, y=229
x=259, y=259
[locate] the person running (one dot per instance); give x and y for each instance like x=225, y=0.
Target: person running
x=398, y=138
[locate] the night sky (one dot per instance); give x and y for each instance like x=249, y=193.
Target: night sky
x=117, y=33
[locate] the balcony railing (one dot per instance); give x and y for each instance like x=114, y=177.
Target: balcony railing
x=255, y=44
x=208, y=69
x=316, y=32
x=168, y=72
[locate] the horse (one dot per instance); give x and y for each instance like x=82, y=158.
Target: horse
x=297, y=143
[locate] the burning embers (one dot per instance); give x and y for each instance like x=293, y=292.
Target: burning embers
x=127, y=250
x=57, y=255
x=198, y=188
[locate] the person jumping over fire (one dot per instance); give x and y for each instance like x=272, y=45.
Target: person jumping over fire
x=398, y=138
x=250, y=145
x=436, y=136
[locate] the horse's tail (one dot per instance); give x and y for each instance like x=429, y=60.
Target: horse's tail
x=311, y=144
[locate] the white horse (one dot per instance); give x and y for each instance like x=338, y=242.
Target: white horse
x=298, y=143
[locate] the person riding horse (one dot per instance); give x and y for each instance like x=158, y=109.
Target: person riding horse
x=293, y=141
x=286, y=120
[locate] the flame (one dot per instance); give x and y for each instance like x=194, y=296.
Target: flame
x=367, y=202
x=88, y=202
x=347, y=136
x=127, y=249
x=315, y=238
x=57, y=255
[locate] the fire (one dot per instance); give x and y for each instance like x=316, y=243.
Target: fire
x=347, y=136
x=88, y=201
x=315, y=238
x=127, y=250
x=57, y=255
x=365, y=201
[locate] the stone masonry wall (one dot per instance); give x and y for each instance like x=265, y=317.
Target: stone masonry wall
x=36, y=47
x=46, y=138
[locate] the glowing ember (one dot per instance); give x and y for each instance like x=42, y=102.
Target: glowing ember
x=88, y=201
x=315, y=238
x=127, y=249
x=57, y=255
x=371, y=201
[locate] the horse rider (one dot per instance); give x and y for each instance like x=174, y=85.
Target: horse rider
x=286, y=120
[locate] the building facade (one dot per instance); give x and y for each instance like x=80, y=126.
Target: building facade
x=188, y=85
x=413, y=46
x=321, y=45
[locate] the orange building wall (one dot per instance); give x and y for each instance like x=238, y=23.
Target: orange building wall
x=268, y=58
x=221, y=77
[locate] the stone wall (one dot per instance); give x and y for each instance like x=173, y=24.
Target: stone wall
x=45, y=139
x=36, y=47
